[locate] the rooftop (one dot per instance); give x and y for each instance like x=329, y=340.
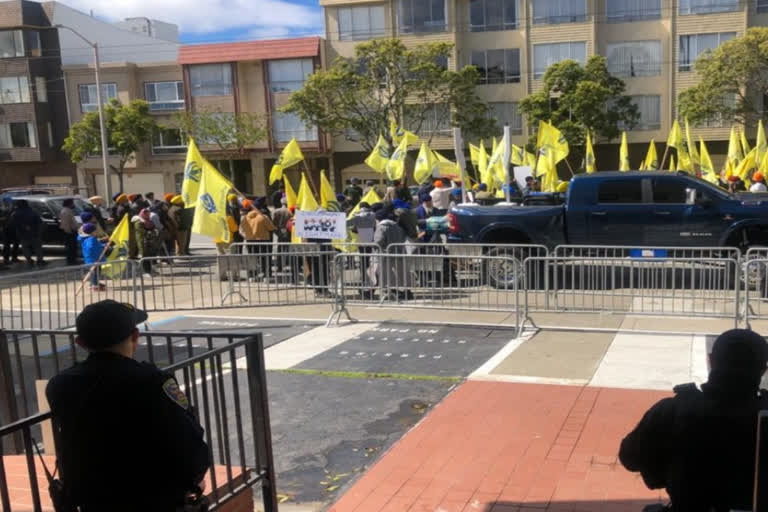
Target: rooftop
x=250, y=50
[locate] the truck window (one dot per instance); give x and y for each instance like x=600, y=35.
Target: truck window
x=668, y=191
x=620, y=191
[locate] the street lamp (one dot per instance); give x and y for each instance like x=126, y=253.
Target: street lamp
x=102, y=130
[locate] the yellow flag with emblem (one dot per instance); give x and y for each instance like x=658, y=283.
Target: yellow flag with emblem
x=396, y=164
x=690, y=145
x=290, y=155
x=516, y=155
x=707, y=169
x=624, y=153
x=424, y=164
x=744, y=143
x=553, y=140
x=496, y=165
x=290, y=194
x=651, y=162
x=211, y=207
x=379, y=157
x=530, y=160
x=589, y=157
x=547, y=169
x=193, y=170
x=327, y=195
x=115, y=262
x=734, y=149
x=398, y=134
x=305, y=200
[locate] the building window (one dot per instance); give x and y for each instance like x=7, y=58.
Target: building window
x=289, y=75
x=762, y=6
x=168, y=141
x=361, y=22
x=634, y=58
x=51, y=142
x=33, y=44
x=17, y=135
x=11, y=43
x=649, y=108
x=559, y=11
x=88, y=101
x=632, y=10
x=708, y=6
x=14, y=89
x=165, y=95
x=507, y=113
x=544, y=55
x=41, y=89
x=485, y=15
x=287, y=126
x=210, y=79
x=416, y=16
x=497, y=66
x=693, y=45
x=436, y=121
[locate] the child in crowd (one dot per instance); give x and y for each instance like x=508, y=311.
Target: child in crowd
x=93, y=253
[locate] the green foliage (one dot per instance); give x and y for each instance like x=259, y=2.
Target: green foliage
x=577, y=99
x=128, y=127
x=732, y=81
x=227, y=131
x=357, y=97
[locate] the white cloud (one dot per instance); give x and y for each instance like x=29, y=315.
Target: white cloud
x=276, y=32
x=207, y=16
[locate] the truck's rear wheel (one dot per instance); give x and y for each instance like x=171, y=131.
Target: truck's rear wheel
x=507, y=270
x=752, y=276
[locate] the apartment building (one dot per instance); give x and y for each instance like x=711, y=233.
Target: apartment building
x=33, y=117
x=256, y=77
x=651, y=44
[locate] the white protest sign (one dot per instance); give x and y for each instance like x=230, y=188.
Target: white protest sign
x=325, y=225
x=522, y=172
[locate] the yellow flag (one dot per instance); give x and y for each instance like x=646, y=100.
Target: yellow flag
x=396, y=164
x=745, y=167
x=496, y=163
x=760, y=142
x=517, y=155
x=672, y=165
x=305, y=200
x=744, y=143
x=211, y=207
x=589, y=158
x=550, y=139
x=482, y=164
x=734, y=149
x=424, y=164
x=547, y=168
x=445, y=167
x=690, y=146
x=379, y=157
x=651, y=162
x=675, y=139
x=290, y=155
x=530, y=160
x=370, y=197
x=707, y=169
x=193, y=170
x=116, y=258
x=290, y=194
x=327, y=195
x=474, y=154
x=399, y=134
x=624, y=153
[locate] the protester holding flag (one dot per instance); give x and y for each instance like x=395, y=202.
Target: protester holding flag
x=290, y=155
x=92, y=249
x=257, y=230
x=280, y=218
x=147, y=239
x=363, y=224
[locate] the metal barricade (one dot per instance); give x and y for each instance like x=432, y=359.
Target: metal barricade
x=236, y=422
x=645, y=252
x=50, y=298
x=755, y=297
x=441, y=281
x=659, y=286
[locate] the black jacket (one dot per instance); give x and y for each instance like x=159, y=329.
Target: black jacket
x=700, y=446
x=126, y=438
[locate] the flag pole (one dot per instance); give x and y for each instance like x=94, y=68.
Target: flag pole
x=311, y=181
x=569, y=166
x=507, y=148
x=458, y=151
x=90, y=271
x=664, y=158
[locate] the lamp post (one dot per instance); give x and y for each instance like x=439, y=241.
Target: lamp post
x=102, y=129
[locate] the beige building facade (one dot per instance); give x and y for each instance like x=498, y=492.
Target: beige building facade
x=651, y=44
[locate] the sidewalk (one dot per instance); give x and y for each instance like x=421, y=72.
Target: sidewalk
x=503, y=447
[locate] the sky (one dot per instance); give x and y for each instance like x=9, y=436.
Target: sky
x=202, y=21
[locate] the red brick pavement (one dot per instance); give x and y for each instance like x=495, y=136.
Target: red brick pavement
x=507, y=447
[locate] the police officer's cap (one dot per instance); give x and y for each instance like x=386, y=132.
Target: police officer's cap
x=740, y=350
x=107, y=323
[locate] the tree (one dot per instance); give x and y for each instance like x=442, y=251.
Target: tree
x=128, y=127
x=231, y=133
x=732, y=81
x=577, y=99
x=358, y=97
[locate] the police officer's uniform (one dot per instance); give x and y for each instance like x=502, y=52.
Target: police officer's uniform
x=126, y=438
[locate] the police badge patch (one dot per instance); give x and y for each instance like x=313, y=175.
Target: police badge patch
x=171, y=389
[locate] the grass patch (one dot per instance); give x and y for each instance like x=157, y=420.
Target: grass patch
x=366, y=375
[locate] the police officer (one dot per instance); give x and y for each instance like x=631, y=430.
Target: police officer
x=126, y=438
x=700, y=444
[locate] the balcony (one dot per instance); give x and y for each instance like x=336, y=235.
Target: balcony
x=164, y=106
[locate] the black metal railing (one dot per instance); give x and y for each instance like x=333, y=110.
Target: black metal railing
x=226, y=386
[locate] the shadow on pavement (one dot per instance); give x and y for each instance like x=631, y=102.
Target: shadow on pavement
x=569, y=506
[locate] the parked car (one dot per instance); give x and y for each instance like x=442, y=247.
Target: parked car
x=49, y=207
